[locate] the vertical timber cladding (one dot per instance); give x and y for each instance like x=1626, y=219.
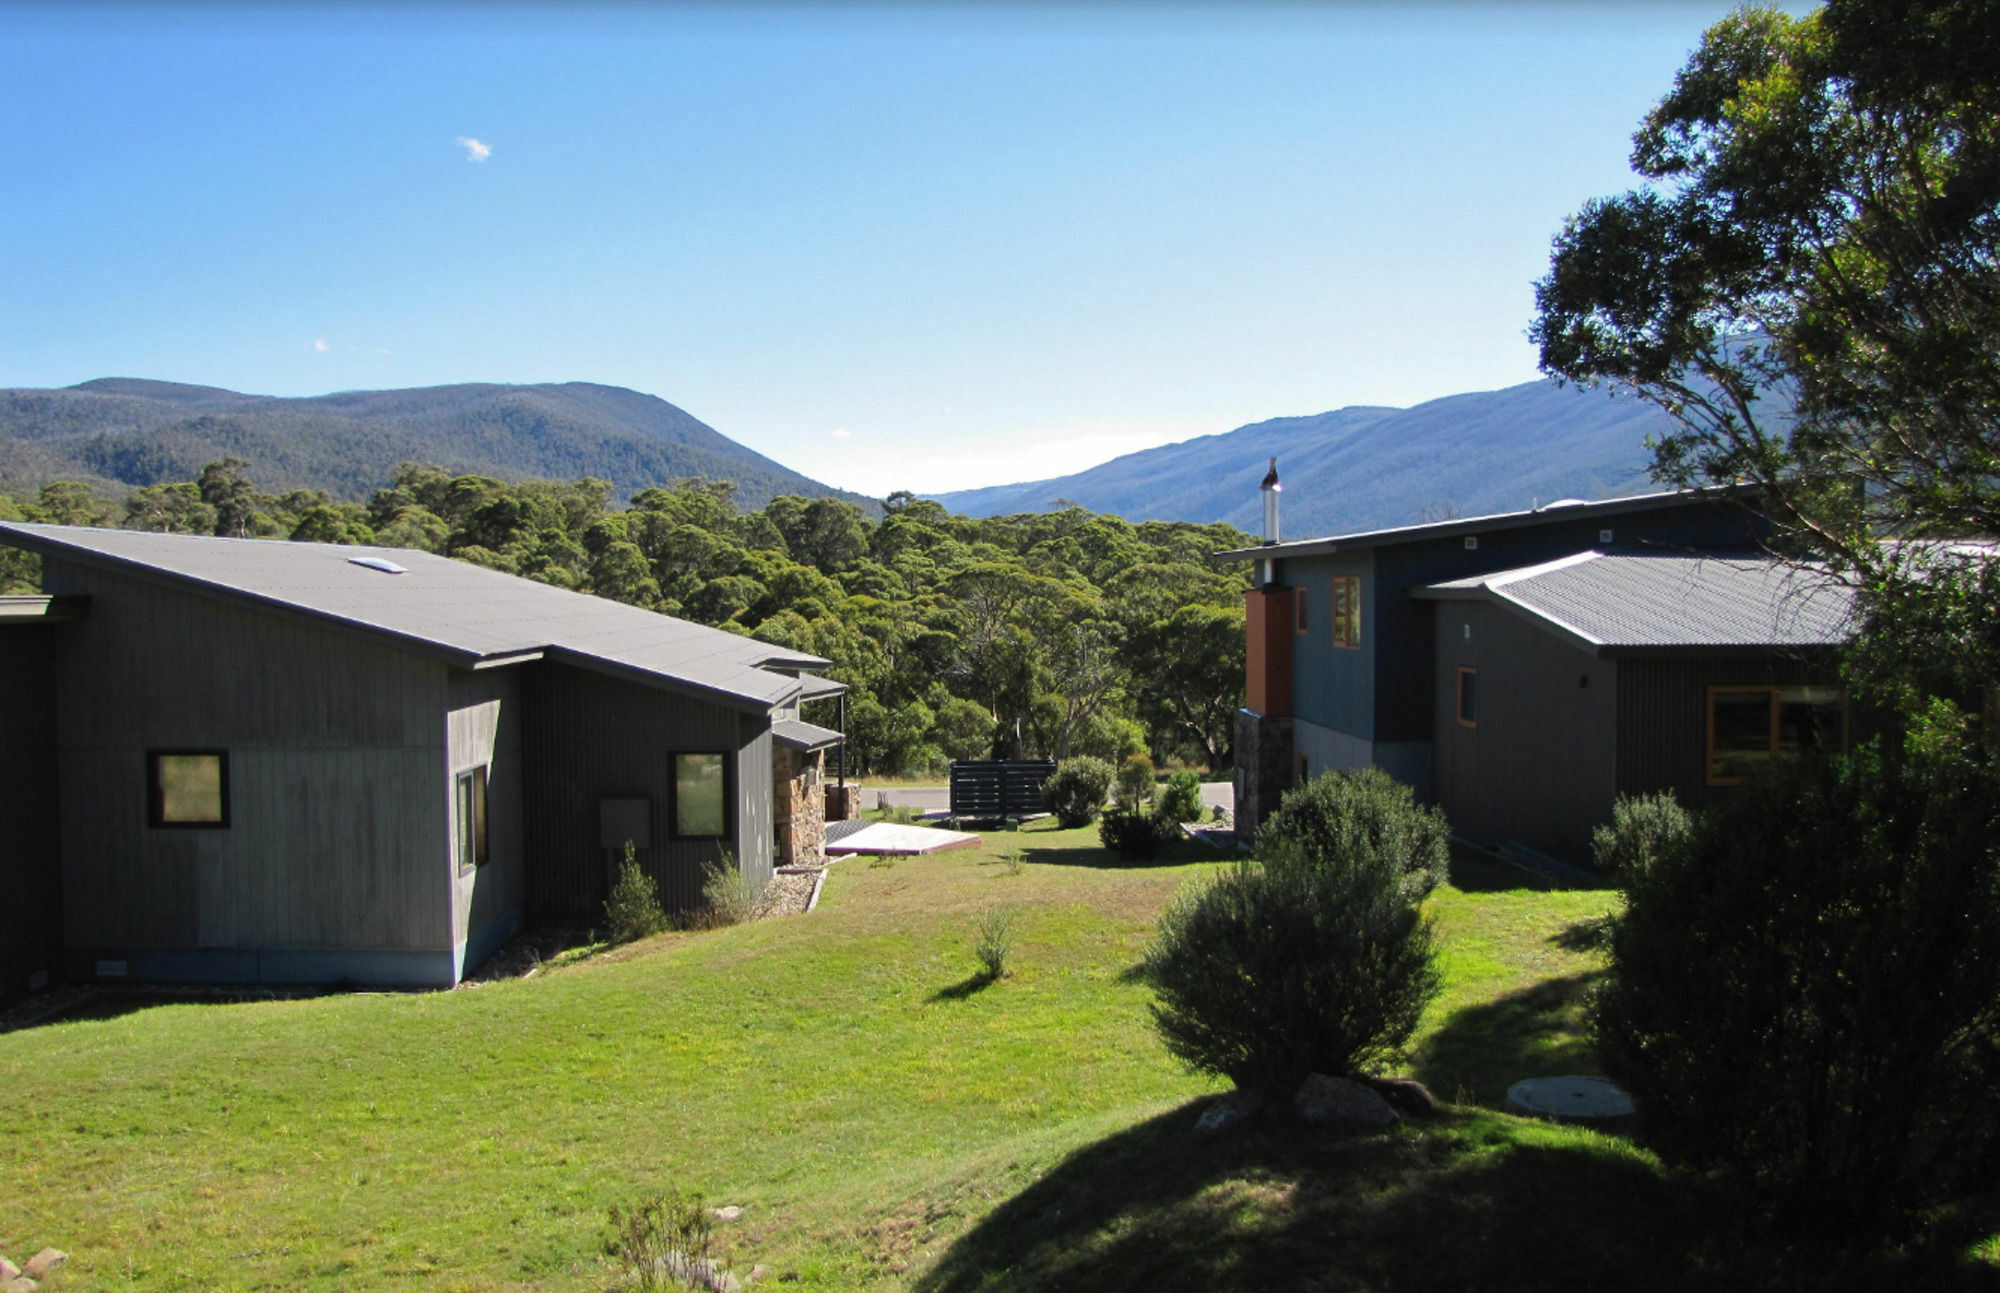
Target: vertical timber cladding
x=591, y=737
x=1537, y=763
x=330, y=866
x=31, y=854
x=483, y=731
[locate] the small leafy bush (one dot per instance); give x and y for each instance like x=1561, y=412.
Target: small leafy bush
x=1075, y=791
x=1135, y=782
x=1366, y=812
x=1137, y=834
x=1642, y=829
x=633, y=909
x=1287, y=967
x=1182, y=801
x=993, y=941
x=662, y=1241
x=727, y=896
x=1807, y=994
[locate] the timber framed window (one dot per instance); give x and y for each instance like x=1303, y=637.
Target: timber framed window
x=1749, y=727
x=187, y=788
x=471, y=800
x=701, y=796
x=1468, y=696
x=1345, y=611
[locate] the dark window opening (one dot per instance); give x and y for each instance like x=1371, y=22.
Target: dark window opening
x=187, y=788
x=472, y=819
x=1468, y=697
x=1749, y=727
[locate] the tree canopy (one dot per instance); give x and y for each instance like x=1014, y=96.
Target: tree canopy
x=1808, y=282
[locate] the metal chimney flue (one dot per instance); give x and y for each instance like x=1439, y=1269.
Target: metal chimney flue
x=1271, y=489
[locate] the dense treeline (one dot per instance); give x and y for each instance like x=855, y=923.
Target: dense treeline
x=1047, y=634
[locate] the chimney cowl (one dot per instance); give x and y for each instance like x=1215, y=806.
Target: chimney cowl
x=1271, y=477
x=1271, y=489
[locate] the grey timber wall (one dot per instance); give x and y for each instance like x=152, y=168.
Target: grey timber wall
x=1540, y=766
x=30, y=853
x=590, y=737
x=483, y=729
x=335, y=862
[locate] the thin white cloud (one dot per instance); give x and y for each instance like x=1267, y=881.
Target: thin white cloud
x=474, y=150
x=320, y=346
x=841, y=433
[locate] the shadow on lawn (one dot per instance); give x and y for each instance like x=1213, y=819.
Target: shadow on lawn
x=963, y=988
x=1484, y=1049
x=1452, y=1204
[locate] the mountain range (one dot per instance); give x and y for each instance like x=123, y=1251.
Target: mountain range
x=1364, y=468
x=118, y=432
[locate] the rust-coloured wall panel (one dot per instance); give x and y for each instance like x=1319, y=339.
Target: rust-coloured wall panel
x=1268, y=625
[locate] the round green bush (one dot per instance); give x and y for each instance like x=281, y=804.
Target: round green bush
x=1182, y=800
x=1643, y=827
x=1808, y=993
x=1137, y=835
x=1276, y=971
x=1075, y=791
x=1366, y=812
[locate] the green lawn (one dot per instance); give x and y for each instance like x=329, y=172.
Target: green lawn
x=884, y=1118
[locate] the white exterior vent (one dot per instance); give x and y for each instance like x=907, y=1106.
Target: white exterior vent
x=382, y=564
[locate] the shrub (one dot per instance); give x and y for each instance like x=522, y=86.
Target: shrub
x=1135, y=782
x=1075, y=791
x=1808, y=993
x=1275, y=971
x=993, y=941
x=1137, y=835
x=633, y=909
x=727, y=896
x=1642, y=828
x=662, y=1241
x=1364, y=812
x=1182, y=801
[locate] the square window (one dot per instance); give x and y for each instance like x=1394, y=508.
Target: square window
x=1468, y=697
x=188, y=788
x=701, y=796
x=472, y=819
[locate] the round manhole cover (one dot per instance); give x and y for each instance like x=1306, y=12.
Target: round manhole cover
x=1569, y=1099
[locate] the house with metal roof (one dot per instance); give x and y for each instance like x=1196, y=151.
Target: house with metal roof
x=1435, y=652
x=239, y=760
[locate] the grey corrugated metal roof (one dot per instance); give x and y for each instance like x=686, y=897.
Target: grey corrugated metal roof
x=1561, y=510
x=1626, y=601
x=811, y=688
x=465, y=612
x=804, y=736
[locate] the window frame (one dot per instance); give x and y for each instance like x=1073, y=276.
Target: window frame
x=156, y=798
x=1301, y=617
x=1774, y=693
x=728, y=795
x=472, y=843
x=1458, y=707
x=1344, y=612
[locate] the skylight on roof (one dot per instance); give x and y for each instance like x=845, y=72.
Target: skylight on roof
x=382, y=564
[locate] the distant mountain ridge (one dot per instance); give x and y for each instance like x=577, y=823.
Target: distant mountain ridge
x=117, y=432
x=1364, y=468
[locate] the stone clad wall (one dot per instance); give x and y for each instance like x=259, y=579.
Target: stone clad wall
x=800, y=828
x=1264, y=769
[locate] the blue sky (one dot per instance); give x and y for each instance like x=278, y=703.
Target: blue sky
x=892, y=247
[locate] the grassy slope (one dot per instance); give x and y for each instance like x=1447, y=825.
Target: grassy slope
x=884, y=1119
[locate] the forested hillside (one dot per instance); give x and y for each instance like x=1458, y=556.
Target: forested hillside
x=118, y=432
x=1049, y=634
x=1365, y=468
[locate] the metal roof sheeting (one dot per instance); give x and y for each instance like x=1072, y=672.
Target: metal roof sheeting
x=804, y=736
x=1619, y=601
x=466, y=612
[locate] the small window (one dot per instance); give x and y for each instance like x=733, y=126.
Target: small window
x=188, y=788
x=1748, y=727
x=1299, y=600
x=1468, y=697
x=1345, y=612
x=701, y=796
x=472, y=819
x=1305, y=771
